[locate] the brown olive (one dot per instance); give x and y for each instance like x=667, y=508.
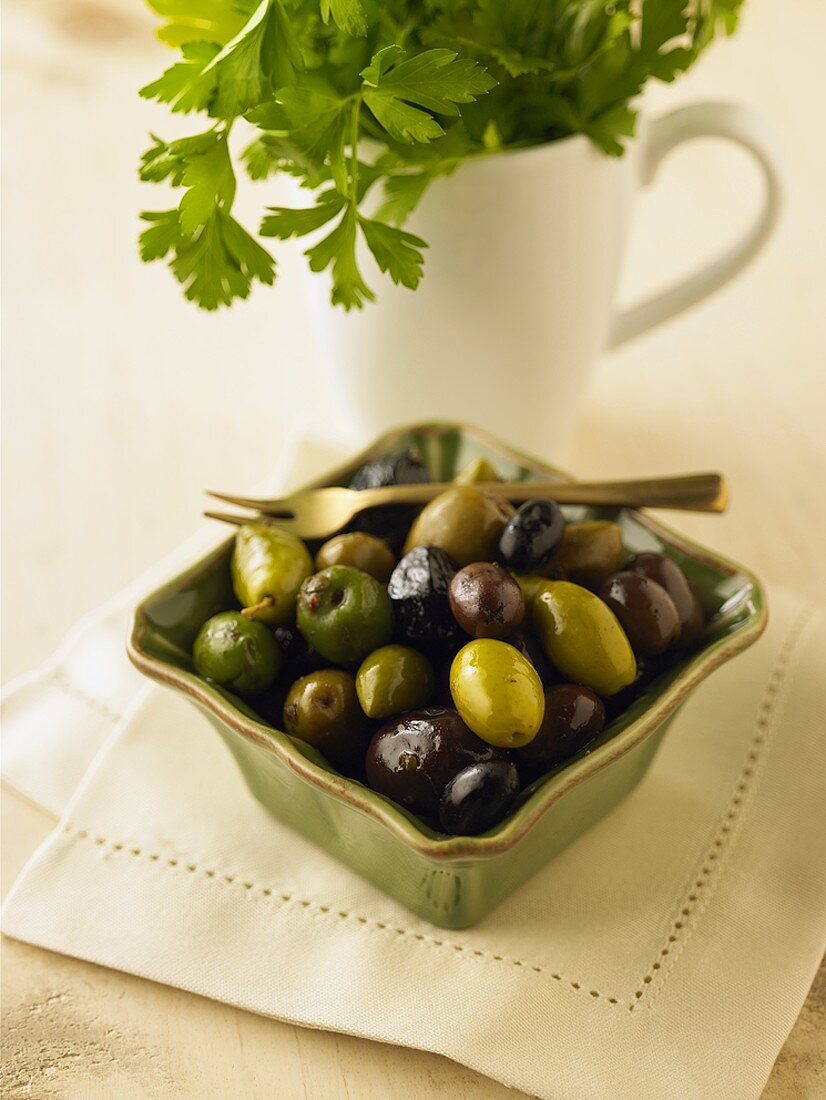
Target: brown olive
x=362, y=551
x=588, y=553
x=574, y=715
x=666, y=572
x=486, y=601
x=412, y=759
x=645, y=610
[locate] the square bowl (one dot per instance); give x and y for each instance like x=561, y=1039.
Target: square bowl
x=450, y=881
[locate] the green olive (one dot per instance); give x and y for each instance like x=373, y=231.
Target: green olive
x=529, y=585
x=237, y=652
x=588, y=553
x=268, y=566
x=583, y=638
x=323, y=710
x=344, y=614
x=464, y=521
x=497, y=693
x=393, y=679
x=366, y=552
x=477, y=470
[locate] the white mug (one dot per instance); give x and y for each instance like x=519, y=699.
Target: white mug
x=517, y=299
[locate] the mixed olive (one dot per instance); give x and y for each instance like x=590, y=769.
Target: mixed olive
x=449, y=656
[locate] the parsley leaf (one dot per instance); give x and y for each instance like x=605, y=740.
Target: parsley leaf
x=284, y=222
x=263, y=55
x=402, y=194
x=348, y=15
x=338, y=252
x=395, y=90
x=213, y=256
x=219, y=262
x=185, y=86
x=318, y=118
x=210, y=183
x=201, y=20
x=163, y=234
x=395, y=251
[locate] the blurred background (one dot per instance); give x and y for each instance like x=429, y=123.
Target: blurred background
x=122, y=402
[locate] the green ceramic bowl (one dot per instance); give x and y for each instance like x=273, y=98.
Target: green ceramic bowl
x=450, y=881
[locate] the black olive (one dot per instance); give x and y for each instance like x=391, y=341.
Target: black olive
x=418, y=588
x=299, y=657
x=393, y=522
x=531, y=535
x=411, y=759
x=477, y=797
x=400, y=468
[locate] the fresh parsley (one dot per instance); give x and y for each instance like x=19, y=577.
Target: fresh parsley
x=353, y=97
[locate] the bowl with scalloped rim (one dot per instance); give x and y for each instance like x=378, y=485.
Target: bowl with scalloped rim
x=450, y=881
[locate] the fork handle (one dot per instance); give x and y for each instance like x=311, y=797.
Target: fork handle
x=707, y=492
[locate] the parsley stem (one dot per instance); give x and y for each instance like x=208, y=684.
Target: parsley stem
x=354, y=150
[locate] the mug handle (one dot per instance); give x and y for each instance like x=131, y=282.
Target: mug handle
x=745, y=128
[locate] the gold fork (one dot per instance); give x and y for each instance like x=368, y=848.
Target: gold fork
x=319, y=512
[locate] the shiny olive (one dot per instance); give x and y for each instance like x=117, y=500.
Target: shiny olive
x=667, y=572
x=477, y=470
x=497, y=692
x=344, y=614
x=418, y=590
x=392, y=521
x=486, y=601
x=528, y=645
x=529, y=585
x=237, y=652
x=645, y=610
x=582, y=637
x=268, y=566
x=588, y=553
x=393, y=679
x=464, y=521
x=532, y=535
x=478, y=797
x=323, y=710
x=574, y=715
x=412, y=758
x=366, y=552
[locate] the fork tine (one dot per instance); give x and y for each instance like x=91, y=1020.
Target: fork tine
x=259, y=504
x=229, y=517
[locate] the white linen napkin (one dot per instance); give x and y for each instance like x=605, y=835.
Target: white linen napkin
x=667, y=953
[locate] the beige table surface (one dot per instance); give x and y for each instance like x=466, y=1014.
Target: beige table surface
x=113, y=385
